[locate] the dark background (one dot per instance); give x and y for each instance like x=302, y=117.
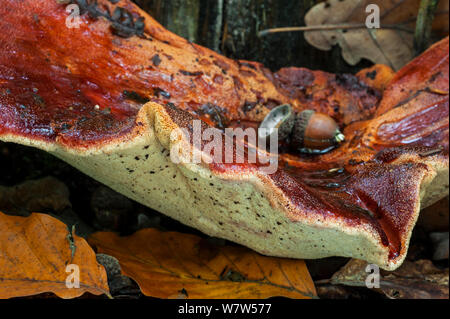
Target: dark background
x=230, y=27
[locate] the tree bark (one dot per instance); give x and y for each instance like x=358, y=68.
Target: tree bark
x=231, y=28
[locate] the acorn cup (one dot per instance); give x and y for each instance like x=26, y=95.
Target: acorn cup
x=282, y=118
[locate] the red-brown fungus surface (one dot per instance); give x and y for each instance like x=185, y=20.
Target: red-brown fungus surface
x=84, y=85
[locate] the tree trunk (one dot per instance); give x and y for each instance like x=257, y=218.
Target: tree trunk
x=231, y=28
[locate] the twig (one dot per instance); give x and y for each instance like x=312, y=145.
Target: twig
x=329, y=27
x=323, y=282
x=423, y=25
x=71, y=239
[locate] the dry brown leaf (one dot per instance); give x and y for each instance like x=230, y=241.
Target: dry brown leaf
x=35, y=196
x=393, y=47
x=352, y=274
x=413, y=280
x=174, y=265
x=34, y=253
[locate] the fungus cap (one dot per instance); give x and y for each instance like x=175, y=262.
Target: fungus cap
x=107, y=102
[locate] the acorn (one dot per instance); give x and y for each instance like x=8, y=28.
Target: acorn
x=315, y=132
x=282, y=118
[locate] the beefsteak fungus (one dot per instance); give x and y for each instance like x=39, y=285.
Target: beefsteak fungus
x=105, y=91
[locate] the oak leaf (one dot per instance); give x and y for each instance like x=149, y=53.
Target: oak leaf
x=413, y=280
x=34, y=254
x=392, y=46
x=175, y=265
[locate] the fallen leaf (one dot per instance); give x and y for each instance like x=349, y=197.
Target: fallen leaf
x=393, y=47
x=175, y=265
x=36, y=195
x=329, y=291
x=34, y=254
x=413, y=280
x=352, y=274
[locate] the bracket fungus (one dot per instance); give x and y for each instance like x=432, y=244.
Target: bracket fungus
x=106, y=94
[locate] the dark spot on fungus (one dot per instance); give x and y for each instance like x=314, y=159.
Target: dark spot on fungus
x=248, y=106
x=160, y=92
x=372, y=75
x=187, y=73
x=134, y=96
x=156, y=60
